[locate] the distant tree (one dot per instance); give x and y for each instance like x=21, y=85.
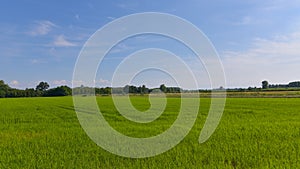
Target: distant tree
x=173, y=90
x=42, y=86
x=2, y=94
x=294, y=84
x=3, y=86
x=3, y=89
x=133, y=89
x=163, y=88
x=30, y=92
x=265, y=84
x=144, y=90
x=103, y=91
x=126, y=89
x=59, y=91
x=107, y=90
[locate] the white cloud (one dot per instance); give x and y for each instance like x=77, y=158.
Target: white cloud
x=111, y=18
x=59, y=82
x=60, y=41
x=276, y=59
x=102, y=82
x=42, y=28
x=77, y=83
x=14, y=83
x=95, y=83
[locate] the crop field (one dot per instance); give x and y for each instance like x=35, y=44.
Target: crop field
x=253, y=133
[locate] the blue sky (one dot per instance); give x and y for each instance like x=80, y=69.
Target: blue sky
x=256, y=40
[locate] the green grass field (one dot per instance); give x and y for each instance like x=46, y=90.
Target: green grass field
x=253, y=133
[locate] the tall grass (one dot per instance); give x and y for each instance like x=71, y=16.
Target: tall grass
x=253, y=133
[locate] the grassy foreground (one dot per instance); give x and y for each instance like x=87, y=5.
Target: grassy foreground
x=253, y=133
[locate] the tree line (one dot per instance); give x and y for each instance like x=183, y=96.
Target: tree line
x=266, y=85
x=43, y=90
x=128, y=89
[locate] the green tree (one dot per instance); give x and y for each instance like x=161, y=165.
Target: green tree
x=144, y=90
x=2, y=94
x=30, y=92
x=163, y=88
x=3, y=89
x=42, y=86
x=59, y=91
x=265, y=84
x=126, y=89
x=294, y=84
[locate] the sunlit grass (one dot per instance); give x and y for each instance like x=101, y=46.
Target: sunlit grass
x=253, y=133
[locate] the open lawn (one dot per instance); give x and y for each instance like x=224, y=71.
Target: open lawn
x=253, y=133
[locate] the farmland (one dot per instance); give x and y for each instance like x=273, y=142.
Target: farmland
x=253, y=133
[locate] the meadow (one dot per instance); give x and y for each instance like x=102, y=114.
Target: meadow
x=253, y=133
